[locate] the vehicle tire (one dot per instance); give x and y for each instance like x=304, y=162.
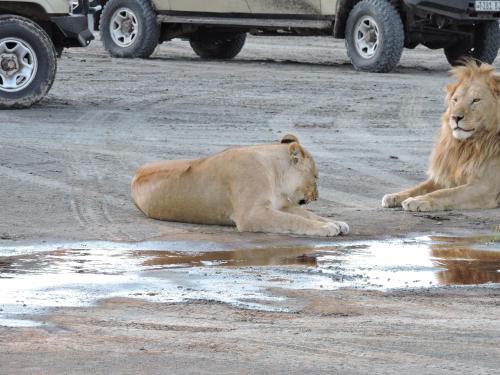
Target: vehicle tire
x=485, y=47
x=28, y=62
x=374, y=36
x=218, y=46
x=129, y=28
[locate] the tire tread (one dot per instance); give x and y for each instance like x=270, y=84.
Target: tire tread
x=48, y=46
x=392, y=28
x=151, y=29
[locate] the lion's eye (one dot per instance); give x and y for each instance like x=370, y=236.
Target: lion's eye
x=477, y=100
x=455, y=100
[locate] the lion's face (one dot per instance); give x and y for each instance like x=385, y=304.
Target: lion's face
x=302, y=178
x=472, y=106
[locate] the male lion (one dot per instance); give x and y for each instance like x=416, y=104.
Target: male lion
x=464, y=170
x=258, y=189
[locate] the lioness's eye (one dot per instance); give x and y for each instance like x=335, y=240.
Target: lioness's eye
x=477, y=100
x=454, y=100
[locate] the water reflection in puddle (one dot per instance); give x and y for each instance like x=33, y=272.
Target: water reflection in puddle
x=33, y=278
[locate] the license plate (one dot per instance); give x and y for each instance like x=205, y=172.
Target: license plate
x=487, y=6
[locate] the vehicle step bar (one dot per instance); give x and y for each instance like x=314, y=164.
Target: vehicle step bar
x=247, y=22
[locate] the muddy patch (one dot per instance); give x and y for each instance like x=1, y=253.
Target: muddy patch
x=36, y=277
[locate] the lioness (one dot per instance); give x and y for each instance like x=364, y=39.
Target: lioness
x=464, y=170
x=258, y=189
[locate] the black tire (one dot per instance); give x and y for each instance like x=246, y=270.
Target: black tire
x=218, y=46
x=148, y=30
x=29, y=33
x=485, y=47
x=391, y=36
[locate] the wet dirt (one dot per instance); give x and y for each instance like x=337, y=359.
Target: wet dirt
x=80, y=274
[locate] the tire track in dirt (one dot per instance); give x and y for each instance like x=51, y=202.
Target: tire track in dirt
x=89, y=208
x=57, y=185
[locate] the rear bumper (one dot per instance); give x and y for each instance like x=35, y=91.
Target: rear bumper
x=457, y=9
x=75, y=29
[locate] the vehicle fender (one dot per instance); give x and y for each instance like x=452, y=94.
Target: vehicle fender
x=341, y=14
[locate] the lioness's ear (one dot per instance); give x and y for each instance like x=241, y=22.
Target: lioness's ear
x=289, y=138
x=296, y=152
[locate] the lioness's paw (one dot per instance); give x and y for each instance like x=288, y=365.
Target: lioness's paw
x=418, y=204
x=391, y=200
x=331, y=229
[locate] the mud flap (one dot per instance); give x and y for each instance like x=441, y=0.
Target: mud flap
x=75, y=28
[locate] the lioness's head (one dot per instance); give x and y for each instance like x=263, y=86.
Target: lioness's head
x=301, y=179
x=473, y=100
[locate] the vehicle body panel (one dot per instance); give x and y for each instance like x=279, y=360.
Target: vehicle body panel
x=208, y=6
x=269, y=7
x=456, y=9
x=328, y=7
x=161, y=5
x=286, y=7
x=50, y=6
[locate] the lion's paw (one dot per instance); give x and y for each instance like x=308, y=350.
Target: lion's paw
x=344, y=228
x=418, y=205
x=391, y=200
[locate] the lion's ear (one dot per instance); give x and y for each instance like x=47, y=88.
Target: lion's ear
x=450, y=90
x=495, y=84
x=289, y=138
x=296, y=152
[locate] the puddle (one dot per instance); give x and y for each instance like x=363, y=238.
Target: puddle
x=36, y=277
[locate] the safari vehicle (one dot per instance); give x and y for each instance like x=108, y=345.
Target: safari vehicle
x=375, y=31
x=32, y=34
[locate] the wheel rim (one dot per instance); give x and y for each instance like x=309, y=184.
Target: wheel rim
x=18, y=64
x=366, y=37
x=124, y=27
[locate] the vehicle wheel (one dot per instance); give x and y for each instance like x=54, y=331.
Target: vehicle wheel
x=129, y=28
x=374, y=36
x=28, y=62
x=485, y=47
x=218, y=46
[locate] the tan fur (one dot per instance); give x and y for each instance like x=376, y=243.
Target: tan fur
x=464, y=171
x=256, y=188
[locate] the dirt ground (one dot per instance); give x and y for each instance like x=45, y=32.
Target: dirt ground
x=340, y=332
x=66, y=165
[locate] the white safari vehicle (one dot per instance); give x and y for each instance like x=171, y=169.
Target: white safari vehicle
x=32, y=34
x=375, y=31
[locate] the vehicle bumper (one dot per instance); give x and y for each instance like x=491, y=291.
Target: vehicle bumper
x=456, y=9
x=75, y=29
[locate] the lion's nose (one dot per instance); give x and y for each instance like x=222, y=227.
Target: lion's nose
x=457, y=119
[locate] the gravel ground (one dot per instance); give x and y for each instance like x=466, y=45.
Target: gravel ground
x=66, y=165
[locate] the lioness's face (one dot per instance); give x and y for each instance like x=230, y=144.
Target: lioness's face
x=471, y=108
x=305, y=179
